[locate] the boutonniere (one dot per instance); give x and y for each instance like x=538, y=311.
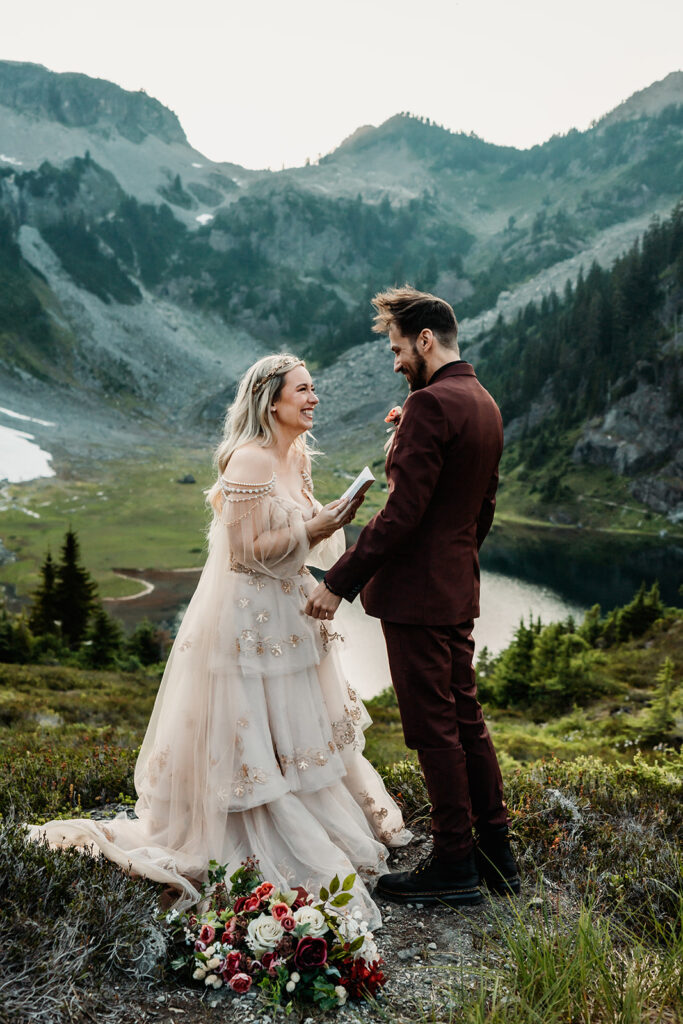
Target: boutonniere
x=393, y=418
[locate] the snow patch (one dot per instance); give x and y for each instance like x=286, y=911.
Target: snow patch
x=204, y=218
x=11, y=160
x=29, y=419
x=197, y=165
x=22, y=459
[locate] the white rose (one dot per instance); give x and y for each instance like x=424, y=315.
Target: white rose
x=264, y=933
x=368, y=951
x=213, y=963
x=348, y=927
x=217, y=982
x=341, y=994
x=313, y=918
x=199, y=974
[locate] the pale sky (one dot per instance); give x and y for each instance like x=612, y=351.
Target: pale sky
x=276, y=81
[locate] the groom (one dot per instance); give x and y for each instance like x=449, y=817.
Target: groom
x=417, y=565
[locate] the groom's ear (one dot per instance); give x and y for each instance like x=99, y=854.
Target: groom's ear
x=425, y=340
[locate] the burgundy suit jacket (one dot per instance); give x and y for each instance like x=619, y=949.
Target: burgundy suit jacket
x=417, y=560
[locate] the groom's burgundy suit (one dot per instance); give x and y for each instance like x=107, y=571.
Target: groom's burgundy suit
x=417, y=565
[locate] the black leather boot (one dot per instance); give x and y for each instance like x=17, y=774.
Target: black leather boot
x=497, y=867
x=434, y=880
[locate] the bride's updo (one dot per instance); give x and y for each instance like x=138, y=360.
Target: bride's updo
x=250, y=417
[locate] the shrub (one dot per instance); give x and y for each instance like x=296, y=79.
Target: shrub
x=70, y=923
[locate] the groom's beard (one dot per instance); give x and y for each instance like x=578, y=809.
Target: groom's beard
x=417, y=374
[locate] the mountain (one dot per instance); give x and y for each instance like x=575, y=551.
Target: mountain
x=138, y=278
x=56, y=117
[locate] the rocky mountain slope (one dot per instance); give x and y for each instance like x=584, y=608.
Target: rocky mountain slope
x=137, y=278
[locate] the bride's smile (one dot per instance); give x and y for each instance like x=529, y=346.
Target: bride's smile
x=294, y=407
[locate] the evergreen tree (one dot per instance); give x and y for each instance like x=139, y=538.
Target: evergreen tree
x=146, y=644
x=45, y=610
x=511, y=677
x=104, y=640
x=6, y=638
x=661, y=717
x=75, y=592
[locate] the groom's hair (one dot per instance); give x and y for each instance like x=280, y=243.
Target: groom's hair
x=411, y=311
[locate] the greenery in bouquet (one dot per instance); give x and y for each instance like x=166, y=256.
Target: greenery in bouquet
x=293, y=946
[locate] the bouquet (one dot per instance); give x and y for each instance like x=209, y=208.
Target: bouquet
x=293, y=946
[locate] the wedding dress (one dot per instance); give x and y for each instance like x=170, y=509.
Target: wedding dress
x=255, y=743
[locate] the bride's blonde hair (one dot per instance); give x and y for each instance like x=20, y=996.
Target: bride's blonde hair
x=250, y=417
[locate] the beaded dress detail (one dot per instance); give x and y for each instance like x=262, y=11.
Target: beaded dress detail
x=255, y=744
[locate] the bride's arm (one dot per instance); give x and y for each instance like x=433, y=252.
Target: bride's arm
x=248, y=484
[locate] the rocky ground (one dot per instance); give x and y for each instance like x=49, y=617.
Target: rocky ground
x=432, y=956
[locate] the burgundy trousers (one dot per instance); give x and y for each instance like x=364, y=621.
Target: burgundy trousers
x=432, y=673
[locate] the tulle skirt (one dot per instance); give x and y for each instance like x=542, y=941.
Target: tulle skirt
x=255, y=748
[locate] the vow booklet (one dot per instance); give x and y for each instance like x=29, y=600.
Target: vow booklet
x=363, y=481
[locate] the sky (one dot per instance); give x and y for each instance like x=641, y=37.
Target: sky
x=271, y=83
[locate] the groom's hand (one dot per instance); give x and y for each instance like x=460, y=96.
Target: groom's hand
x=322, y=604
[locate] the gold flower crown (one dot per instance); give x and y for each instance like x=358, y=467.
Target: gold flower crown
x=277, y=369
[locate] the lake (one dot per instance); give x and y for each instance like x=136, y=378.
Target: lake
x=545, y=573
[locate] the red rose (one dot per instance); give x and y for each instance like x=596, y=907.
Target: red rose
x=264, y=890
x=269, y=961
x=280, y=910
x=310, y=953
x=207, y=934
x=226, y=939
x=238, y=905
x=288, y=923
x=301, y=899
x=252, y=903
x=230, y=965
x=200, y=946
x=394, y=415
x=240, y=983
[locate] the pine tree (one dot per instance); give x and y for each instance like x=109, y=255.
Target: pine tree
x=146, y=643
x=661, y=717
x=45, y=610
x=6, y=638
x=75, y=592
x=104, y=640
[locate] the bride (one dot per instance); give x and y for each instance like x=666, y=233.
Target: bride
x=255, y=742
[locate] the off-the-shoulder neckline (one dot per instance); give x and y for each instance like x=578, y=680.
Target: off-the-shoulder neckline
x=267, y=485
x=244, y=485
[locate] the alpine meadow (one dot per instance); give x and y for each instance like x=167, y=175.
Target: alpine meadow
x=138, y=281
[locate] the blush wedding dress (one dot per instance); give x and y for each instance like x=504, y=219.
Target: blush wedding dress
x=255, y=744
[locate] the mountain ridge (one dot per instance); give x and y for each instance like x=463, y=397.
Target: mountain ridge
x=77, y=100
x=154, y=276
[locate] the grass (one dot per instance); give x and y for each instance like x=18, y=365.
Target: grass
x=591, y=971
x=127, y=513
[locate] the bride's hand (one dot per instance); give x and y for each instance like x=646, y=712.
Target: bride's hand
x=331, y=517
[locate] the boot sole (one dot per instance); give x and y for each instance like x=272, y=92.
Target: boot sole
x=504, y=886
x=469, y=897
